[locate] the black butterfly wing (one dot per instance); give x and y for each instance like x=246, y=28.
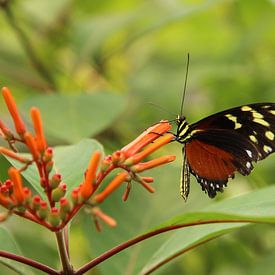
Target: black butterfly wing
x=255, y=122
x=230, y=141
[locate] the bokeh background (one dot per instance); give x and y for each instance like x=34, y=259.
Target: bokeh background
x=108, y=70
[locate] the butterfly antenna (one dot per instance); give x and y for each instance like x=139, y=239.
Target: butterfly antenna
x=185, y=83
x=161, y=108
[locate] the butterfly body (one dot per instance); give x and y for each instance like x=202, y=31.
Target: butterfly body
x=224, y=143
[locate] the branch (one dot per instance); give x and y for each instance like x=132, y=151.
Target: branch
x=169, y=259
x=108, y=254
x=29, y=262
x=63, y=253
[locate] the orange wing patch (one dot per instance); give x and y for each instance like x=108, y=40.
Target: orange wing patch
x=209, y=162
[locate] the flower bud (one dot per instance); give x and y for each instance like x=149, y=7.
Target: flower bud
x=43, y=210
x=48, y=154
x=32, y=145
x=75, y=195
x=16, y=178
x=59, y=192
x=36, y=200
x=65, y=208
x=54, y=218
x=27, y=195
x=9, y=185
x=105, y=163
x=118, y=157
x=4, y=190
x=38, y=128
x=65, y=205
x=49, y=166
x=55, y=180
x=18, y=122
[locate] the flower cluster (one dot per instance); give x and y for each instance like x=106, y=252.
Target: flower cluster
x=58, y=207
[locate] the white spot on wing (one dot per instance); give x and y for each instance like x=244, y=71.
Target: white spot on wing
x=249, y=153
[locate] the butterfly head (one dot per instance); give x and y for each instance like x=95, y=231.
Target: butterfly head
x=182, y=128
x=180, y=119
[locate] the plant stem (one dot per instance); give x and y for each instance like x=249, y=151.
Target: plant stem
x=63, y=254
x=29, y=262
x=26, y=44
x=115, y=250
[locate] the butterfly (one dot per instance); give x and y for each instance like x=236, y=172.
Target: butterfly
x=221, y=144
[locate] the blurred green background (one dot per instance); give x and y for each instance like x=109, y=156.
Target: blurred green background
x=99, y=68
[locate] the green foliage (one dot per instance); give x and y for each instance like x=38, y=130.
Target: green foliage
x=85, y=115
x=139, y=48
x=8, y=243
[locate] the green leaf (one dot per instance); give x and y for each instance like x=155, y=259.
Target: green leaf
x=73, y=117
x=70, y=161
x=4, y=165
x=8, y=243
x=89, y=35
x=256, y=207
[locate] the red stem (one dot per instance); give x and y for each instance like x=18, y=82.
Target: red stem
x=148, y=235
x=29, y=262
x=47, y=185
x=169, y=259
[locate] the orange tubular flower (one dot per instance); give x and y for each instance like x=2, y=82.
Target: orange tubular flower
x=87, y=187
x=18, y=191
x=146, y=138
x=13, y=155
x=30, y=142
x=38, y=128
x=113, y=185
x=152, y=163
x=150, y=149
x=105, y=218
x=18, y=122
